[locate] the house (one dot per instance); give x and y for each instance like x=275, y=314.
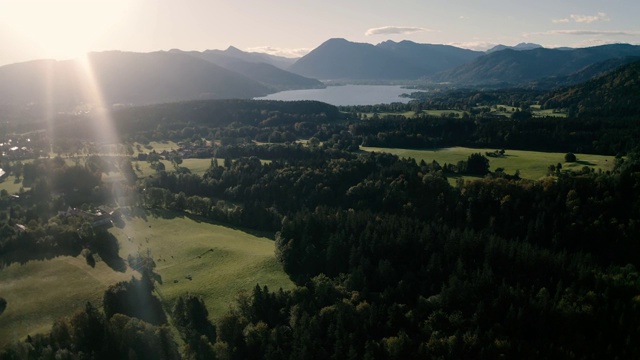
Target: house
x=99, y=218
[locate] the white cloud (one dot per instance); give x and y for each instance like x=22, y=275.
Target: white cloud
x=586, y=32
x=590, y=18
x=285, y=52
x=585, y=19
x=392, y=30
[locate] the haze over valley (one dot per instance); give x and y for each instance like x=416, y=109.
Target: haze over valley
x=319, y=180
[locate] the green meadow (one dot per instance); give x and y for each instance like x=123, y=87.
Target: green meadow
x=531, y=164
x=41, y=291
x=11, y=185
x=504, y=110
x=221, y=262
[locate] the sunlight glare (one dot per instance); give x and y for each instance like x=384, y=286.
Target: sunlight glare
x=63, y=29
x=100, y=111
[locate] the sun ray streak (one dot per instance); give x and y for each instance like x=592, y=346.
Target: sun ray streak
x=100, y=113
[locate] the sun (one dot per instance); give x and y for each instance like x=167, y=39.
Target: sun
x=62, y=29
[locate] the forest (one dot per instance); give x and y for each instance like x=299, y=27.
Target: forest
x=389, y=260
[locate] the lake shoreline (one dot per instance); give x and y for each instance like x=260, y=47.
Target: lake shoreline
x=346, y=95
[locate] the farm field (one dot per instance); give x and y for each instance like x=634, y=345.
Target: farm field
x=39, y=292
x=531, y=164
x=157, y=146
x=221, y=262
x=504, y=110
x=412, y=114
x=11, y=185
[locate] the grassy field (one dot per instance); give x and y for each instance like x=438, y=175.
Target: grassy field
x=412, y=114
x=504, y=110
x=199, y=166
x=11, y=185
x=157, y=146
x=221, y=262
x=531, y=164
x=39, y=292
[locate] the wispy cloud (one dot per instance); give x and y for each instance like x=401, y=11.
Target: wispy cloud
x=393, y=30
x=586, y=32
x=585, y=19
x=285, y=52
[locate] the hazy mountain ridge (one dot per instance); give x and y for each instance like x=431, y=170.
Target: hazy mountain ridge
x=132, y=78
x=257, y=57
x=520, y=46
x=339, y=59
x=163, y=77
x=521, y=65
x=585, y=74
x=512, y=67
x=166, y=76
x=263, y=72
x=617, y=93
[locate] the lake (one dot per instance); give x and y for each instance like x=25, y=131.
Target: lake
x=346, y=95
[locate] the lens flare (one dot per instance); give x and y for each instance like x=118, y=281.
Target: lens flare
x=99, y=110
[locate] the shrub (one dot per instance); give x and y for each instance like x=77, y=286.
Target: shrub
x=570, y=157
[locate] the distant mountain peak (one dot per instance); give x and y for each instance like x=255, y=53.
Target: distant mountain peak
x=520, y=47
x=337, y=40
x=234, y=50
x=340, y=59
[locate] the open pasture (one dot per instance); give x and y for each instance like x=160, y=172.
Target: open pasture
x=531, y=164
x=191, y=256
x=198, y=257
x=40, y=291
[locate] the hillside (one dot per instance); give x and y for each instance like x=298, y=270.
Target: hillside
x=510, y=67
x=583, y=75
x=615, y=94
x=208, y=113
x=163, y=77
x=520, y=46
x=339, y=59
x=255, y=57
x=122, y=77
x=257, y=68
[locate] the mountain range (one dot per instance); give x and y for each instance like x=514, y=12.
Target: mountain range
x=509, y=67
x=520, y=46
x=615, y=93
x=266, y=69
x=339, y=59
x=166, y=76
x=145, y=78
x=520, y=65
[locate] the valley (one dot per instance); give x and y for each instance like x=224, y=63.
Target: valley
x=234, y=204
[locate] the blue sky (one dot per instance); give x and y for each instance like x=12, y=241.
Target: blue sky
x=34, y=29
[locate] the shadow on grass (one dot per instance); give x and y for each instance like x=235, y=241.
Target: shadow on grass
x=170, y=215
x=107, y=247
x=584, y=162
x=136, y=212
x=23, y=256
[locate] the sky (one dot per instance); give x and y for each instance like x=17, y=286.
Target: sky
x=37, y=29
